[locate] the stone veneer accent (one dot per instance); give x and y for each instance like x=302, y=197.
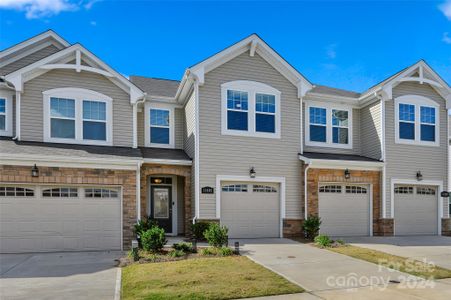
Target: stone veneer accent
x=446, y=227
x=292, y=228
x=79, y=176
x=317, y=176
x=155, y=169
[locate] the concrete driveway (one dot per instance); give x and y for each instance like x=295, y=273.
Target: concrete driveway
x=329, y=275
x=70, y=275
x=435, y=249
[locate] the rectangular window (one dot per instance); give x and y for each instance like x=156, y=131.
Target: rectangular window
x=64, y=192
x=406, y=121
x=237, y=110
x=12, y=191
x=318, y=124
x=265, y=113
x=235, y=188
x=2, y=114
x=427, y=123
x=340, y=124
x=62, y=118
x=159, y=126
x=94, y=120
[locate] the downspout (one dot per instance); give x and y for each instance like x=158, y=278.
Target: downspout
x=138, y=190
x=302, y=125
x=135, y=120
x=196, y=150
x=384, y=175
x=307, y=167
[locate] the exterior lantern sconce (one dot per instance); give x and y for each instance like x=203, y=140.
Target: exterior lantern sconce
x=34, y=171
x=419, y=176
x=237, y=247
x=252, y=172
x=347, y=174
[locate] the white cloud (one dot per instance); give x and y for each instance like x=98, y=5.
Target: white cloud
x=446, y=9
x=331, y=51
x=35, y=9
x=446, y=38
x=93, y=23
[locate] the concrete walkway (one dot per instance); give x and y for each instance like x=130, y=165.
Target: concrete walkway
x=69, y=275
x=435, y=249
x=328, y=275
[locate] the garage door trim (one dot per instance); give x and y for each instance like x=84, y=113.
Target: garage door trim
x=370, y=187
x=38, y=188
x=436, y=183
x=279, y=180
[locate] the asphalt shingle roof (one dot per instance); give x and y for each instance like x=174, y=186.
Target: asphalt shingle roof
x=156, y=86
x=333, y=156
x=322, y=89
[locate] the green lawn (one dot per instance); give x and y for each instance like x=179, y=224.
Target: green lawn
x=203, y=278
x=405, y=265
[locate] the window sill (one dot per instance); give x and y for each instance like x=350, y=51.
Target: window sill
x=155, y=145
x=251, y=134
x=417, y=143
x=78, y=142
x=328, y=145
x=5, y=133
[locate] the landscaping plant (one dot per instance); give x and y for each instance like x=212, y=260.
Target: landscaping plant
x=184, y=246
x=176, y=253
x=198, y=230
x=216, y=235
x=323, y=241
x=311, y=227
x=153, y=240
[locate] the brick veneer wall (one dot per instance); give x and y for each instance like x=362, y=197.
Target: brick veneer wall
x=183, y=171
x=292, y=227
x=78, y=176
x=446, y=227
x=317, y=176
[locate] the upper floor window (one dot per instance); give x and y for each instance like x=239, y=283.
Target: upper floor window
x=250, y=109
x=6, y=121
x=160, y=125
x=416, y=121
x=73, y=115
x=328, y=126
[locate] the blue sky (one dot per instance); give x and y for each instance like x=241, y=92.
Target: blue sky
x=344, y=44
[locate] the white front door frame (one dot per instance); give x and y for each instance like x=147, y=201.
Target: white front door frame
x=370, y=186
x=279, y=180
x=436, y=183
x=174, y=186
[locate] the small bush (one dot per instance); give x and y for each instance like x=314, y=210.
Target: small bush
x=323, y=241
x=216, y=235
x=153, y=240
x=225, y=251
x=207, y=251
x=311, y=227
x=143, y=225
x=183, y=246
x=176, y=253
x=340, y=242
x=198, y=230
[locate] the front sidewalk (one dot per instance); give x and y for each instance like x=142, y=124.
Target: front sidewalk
x=331, y=275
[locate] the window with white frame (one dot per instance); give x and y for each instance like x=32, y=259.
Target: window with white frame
x=6, y=114
x=250, y=109
x=74, y=115
x=159, y=130
x=416, y=121
x=327, y=125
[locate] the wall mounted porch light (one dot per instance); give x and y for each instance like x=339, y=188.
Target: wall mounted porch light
x=419, y=176
x=347, y=174
x=252, y=172
x=34, y=171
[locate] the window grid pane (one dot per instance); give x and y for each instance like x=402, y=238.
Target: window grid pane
x=407, y=112
x=159, y=117
x=2, y=106
x=8, y=191
x=94, y=110
x=330, y=189
x=427, y=115
x=62, y=108
x=318, y=116
x=237, y=100
x=265, y=103
x=63, y=192
x=235, y=188
x=159, y=126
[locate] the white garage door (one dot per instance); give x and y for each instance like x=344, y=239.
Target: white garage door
x=415, y=210
x=344, y=209
x=41, y=219
x=251, y=210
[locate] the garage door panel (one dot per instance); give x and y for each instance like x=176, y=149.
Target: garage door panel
x=344, y=213
x=48, y=223
x=251, y=214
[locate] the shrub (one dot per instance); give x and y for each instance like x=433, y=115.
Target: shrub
x=216, y=235
x=198, y=230
x=225, y=251
x=153, y=239
x=176, y=253
x=207, y=251
x=311, y=227
x=143, y=225
x=183, y=246
x=340, y=242
x=323, y=241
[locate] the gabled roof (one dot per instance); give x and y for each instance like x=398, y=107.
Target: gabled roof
x=253, y=44
x=156, y=86
x=326, y=90
x=62, y=59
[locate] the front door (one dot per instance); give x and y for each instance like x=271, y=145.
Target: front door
x=161, y=207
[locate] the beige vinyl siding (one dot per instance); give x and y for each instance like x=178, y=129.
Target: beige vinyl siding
x=179, y=116
x=371, y=130
x=234, y=155
x=27, y=60
x=189, y=141
x=140, y=124
x=403, y=161
x=32, y=103
x=355, y=137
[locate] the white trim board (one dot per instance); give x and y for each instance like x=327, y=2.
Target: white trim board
x=342, y=164
x=8, y=96
x=280, y=180
x=437, y=183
